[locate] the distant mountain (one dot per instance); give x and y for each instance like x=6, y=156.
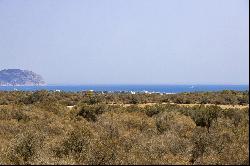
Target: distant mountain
x=17, y=77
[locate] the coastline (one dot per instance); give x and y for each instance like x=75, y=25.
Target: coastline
x=149, y=89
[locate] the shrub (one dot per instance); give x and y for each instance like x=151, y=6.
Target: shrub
x=14, y=113
x=151, y=111
x=24, y=147
x=76, y=143
x=175, y=122
x=90, y=112
x=44, y=131
x=204, y=116
x=201, y=142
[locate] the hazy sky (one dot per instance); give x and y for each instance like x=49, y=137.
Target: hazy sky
x=127, y=41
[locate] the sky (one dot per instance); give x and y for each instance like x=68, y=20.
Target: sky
x=127, y=41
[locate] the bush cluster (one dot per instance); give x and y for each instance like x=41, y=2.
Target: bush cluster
x=39, y=129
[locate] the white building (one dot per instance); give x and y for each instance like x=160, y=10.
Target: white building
x=132, y=92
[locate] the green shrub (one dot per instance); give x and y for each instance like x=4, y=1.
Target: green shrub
x=76, y=143
x=17, y=114
x=90, y=112
x=203, y=116
x=201, y=141
x=175, y=122
x=24, y=147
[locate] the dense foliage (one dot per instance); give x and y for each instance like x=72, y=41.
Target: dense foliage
x=71, y=98
x=38, y=128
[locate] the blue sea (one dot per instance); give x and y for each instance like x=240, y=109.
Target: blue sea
x=135, y=88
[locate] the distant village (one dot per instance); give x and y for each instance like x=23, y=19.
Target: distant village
x=120, y=92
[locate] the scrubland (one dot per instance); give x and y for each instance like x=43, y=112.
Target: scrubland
x=38, y=128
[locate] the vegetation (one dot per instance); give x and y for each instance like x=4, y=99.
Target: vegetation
x=38, y=128
x=70, y=98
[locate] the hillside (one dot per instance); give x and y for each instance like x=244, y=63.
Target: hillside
x=17, y=77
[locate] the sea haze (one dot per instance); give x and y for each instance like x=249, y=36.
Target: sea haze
x=136, y=88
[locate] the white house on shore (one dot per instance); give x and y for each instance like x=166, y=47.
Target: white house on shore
x=132, y=92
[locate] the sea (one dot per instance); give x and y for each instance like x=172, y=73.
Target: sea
x=129, y=88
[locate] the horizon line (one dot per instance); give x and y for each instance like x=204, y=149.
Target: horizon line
x=112, y=84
